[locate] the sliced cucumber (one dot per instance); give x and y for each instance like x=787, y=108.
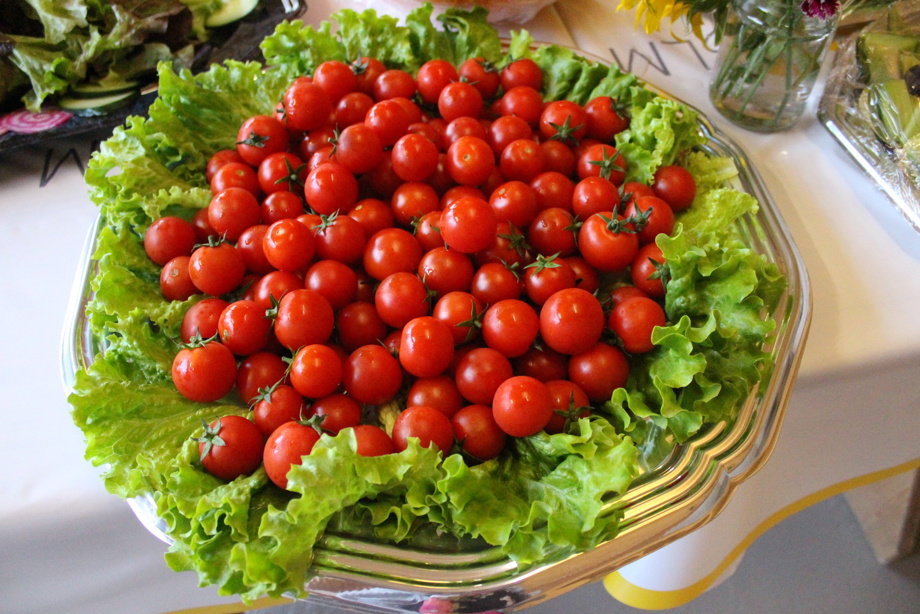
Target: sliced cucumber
x=96, y=90
x=99, y=105
x=231, y=11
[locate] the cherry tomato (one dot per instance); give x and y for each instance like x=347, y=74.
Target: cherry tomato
x=438, y=391
x=594, y=195
x=493, y=282
x=335, y=280
x=647, y=270
x=236, y=175
x=563, y=120
x=231, y=446
x=524, y=102
x=480, y=372
x=330, y=187
x=462, y=312
x=394, y=83
x=389, y=251
x=167, y=238
x=606, y=244
x=553, y=190
x=287, y=446
x=569, y=403
x=359, y=148
x=432, y=77
x=522, y=406
x=232, y=211
x=175, y=280
x=336, y=78
x=260, y=136
x=400, y=297
x=316, y=370
x=340, y=238
x=522, y=160
x=546, y=276
x=258, y=372
x=414, y=157
x=201, y=319
x=204, y=372
x=250, y=246
x=521, y=72
x=653, y=217
x=216, y=268
x=460, y=99
x=633, y=321
x=510, y=326
x=470, y=161
x=542, y=363
x=306, y=105
x=602, y=160
x=372, y=375
x=571, y=321
x=427, y=424
x=468, y=224
x=244, y=327
x=277, y=405
x=482, y=74
x=599, y=371
x=288, y=245
x=605, y=119
x=675, y=185
x=477, y=432
x=218, y=159
x=426, y=346
x=372, y=440
x=552, y=231
x=279, y=206
x=304, y=317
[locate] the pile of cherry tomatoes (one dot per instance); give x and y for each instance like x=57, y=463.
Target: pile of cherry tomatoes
x=448, y=240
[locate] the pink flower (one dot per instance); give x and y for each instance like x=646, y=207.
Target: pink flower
x=820, y=9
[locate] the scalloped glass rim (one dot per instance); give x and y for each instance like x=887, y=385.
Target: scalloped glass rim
x=685, y=489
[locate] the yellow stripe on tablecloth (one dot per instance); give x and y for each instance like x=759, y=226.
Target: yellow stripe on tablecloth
x=628, y=593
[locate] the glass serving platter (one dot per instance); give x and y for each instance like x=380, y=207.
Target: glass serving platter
x=844, y=113
x=681, y=488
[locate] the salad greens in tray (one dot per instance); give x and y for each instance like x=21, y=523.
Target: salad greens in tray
x=544, y=492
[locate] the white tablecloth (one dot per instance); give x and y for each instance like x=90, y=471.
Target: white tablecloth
x=68, y=546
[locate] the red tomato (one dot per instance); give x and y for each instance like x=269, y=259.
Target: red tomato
x=167, y=238
x=335, y=280
x=633, y=321
x=286, y=447
x=480, y=372
x=571, y=321
x=647, y=270
x=316, y=370
x=236, y=175
x=219, y=159
x=232, y=211
x=468, y=224
x=201, y=319
x=352, y=108
x=280, y=206
x=414, y=157
x=259, y=372
x=230, y=447
x=606, y=244
x=552, y=231
x=401, y=297
x=331, y=187
x=602, y=160
x=569, y=404
x=359, y=148
x=505, y=130
x=521, y=72
x=605, y=118
x=389, y=251
x=277, y=405
x=470, y=161
x=477, y=432
x=339, y=238
x=394, y=83
x=372, y=440
x=445, y=270
x=288, y=245
x=493, y=282
x=358, y=324
x=599, y=371
x=216, y=268
x=522, y=406
x=553, y=189
x=281, y=171
x=652, y=215
x=594, y=195
x=460, y=99
x=269, y=289
x=542, y=363
x=482, y=74
x=426, y=347
x=175, y=281
x=432, y=77
x=462, y=312
x=427, y=424
x=372, y=375
x=306, y=105
x=546, y=276
x=204, y=372
x=250, y=247
x=522, y=160
x=510, y=326
x=260, y=136
x=244, y=327
x=438, y=391
x=675, y=185
x=336, y=78
x=524, y=102
x=563, y=120
x=304, y=317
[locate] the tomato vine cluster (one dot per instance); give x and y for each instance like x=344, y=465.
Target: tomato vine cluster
x=448, y=240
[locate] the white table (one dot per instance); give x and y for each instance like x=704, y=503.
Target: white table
x=67, y=545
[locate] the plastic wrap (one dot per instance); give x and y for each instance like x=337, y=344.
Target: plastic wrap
x=879, y=126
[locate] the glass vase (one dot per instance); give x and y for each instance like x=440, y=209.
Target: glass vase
x=769, y=58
